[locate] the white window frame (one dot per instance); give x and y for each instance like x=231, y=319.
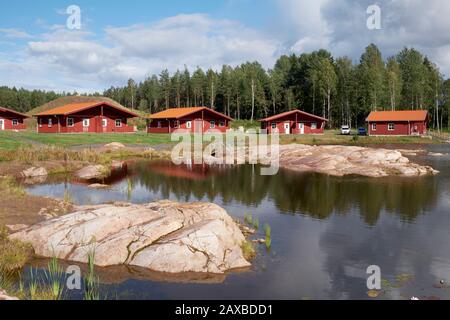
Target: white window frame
x=188, y=124
x=15, y=122
x=212, y=124
x=313, y=125
x=391, y=126
x=222, y=123
x=40, y=122
x=120, y=123
x=104, y=122
x=50, y=122
x=176, y=124
x=68, y=122
x=273, y=125
x=86, y=123
x=374, y=126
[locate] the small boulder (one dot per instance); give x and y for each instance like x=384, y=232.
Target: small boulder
x=98, y=186
x=91, y=172
x=114, y=146
x=34, y=172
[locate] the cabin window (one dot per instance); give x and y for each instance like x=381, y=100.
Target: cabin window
x=176, y=124
x=374, y=127
x=104, y=123
x=314, y=125
x=40, y=122
x=15, y=122
x=70, y=122
x=118, y=123
x=188, y=124
x=391, y=127
x=159, y=124
x=86, y=123
x=50, y=122
x=221, y=123
x=213, y=124
x=274, y=125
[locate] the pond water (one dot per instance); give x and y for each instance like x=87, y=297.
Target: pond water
x=325, y=230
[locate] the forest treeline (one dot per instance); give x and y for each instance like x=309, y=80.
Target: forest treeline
x=335, y=88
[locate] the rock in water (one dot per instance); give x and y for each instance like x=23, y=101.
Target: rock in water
x=349, y=160
x=162, y=236
x=91, y=172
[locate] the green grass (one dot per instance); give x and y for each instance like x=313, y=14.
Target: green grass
x=13, y=254
x=13, y=140
x=247, y=124
x=333, y=137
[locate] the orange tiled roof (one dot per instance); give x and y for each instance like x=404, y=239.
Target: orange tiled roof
x=13, y=111
x=403, y=115
x=76, y=107
x=176, y=113
x=280, y=115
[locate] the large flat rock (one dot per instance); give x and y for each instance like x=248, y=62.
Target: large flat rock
x=161, y=236
x=349, y=160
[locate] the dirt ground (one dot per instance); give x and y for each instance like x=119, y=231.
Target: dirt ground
x=26, y=209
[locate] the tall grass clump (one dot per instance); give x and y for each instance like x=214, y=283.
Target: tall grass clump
x=55, y=278
x=13, y=253
x=91, y=281
x=9, y=184
x=248, y=250
x=30, y=154
x=268, y=231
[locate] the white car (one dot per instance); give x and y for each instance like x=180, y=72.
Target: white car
x=345, y=130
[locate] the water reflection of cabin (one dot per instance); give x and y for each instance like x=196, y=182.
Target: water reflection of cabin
x=184, y=171
x=194, y=119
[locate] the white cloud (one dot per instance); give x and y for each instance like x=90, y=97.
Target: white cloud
x=80, y=60
x=15, y=33
x=193, y=40
x=84, y=61
x=340, y=26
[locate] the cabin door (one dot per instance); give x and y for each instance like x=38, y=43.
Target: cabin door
x=287, y=127
x=2, y=124
x=301, y=128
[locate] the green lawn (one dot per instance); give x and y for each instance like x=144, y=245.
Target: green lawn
x=12, y=140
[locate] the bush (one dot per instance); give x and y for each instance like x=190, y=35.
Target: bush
x=13, y=253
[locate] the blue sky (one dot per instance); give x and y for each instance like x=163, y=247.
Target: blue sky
x=122, y=39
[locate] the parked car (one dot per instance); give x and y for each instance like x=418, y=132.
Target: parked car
x=345, y=130
x=362, y=132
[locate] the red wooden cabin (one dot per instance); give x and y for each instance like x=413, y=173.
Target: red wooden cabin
x=294, y=122
x=398, y=123
x=88, y=117
x=12, y=120
x=194, y=119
